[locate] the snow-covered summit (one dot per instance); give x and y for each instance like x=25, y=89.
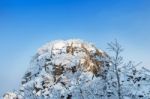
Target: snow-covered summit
x=75, y=69
x=71, y=69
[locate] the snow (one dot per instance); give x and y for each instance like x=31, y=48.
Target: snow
x=69, y=70
x=10, y=95
x=56, y=72
x=59, y=45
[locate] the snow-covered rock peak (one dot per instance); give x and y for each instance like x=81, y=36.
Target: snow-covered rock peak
x=61, y=69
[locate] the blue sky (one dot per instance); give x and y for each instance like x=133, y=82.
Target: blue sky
x=25, y=25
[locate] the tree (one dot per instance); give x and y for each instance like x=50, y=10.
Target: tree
x=117, y=60
x=135, y=81
x=132, y=81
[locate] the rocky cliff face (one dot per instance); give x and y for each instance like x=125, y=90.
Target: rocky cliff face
x=71, y=69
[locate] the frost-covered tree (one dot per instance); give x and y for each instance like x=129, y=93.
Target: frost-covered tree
x=127, y=80
x=135, y=81
x=117, y=60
